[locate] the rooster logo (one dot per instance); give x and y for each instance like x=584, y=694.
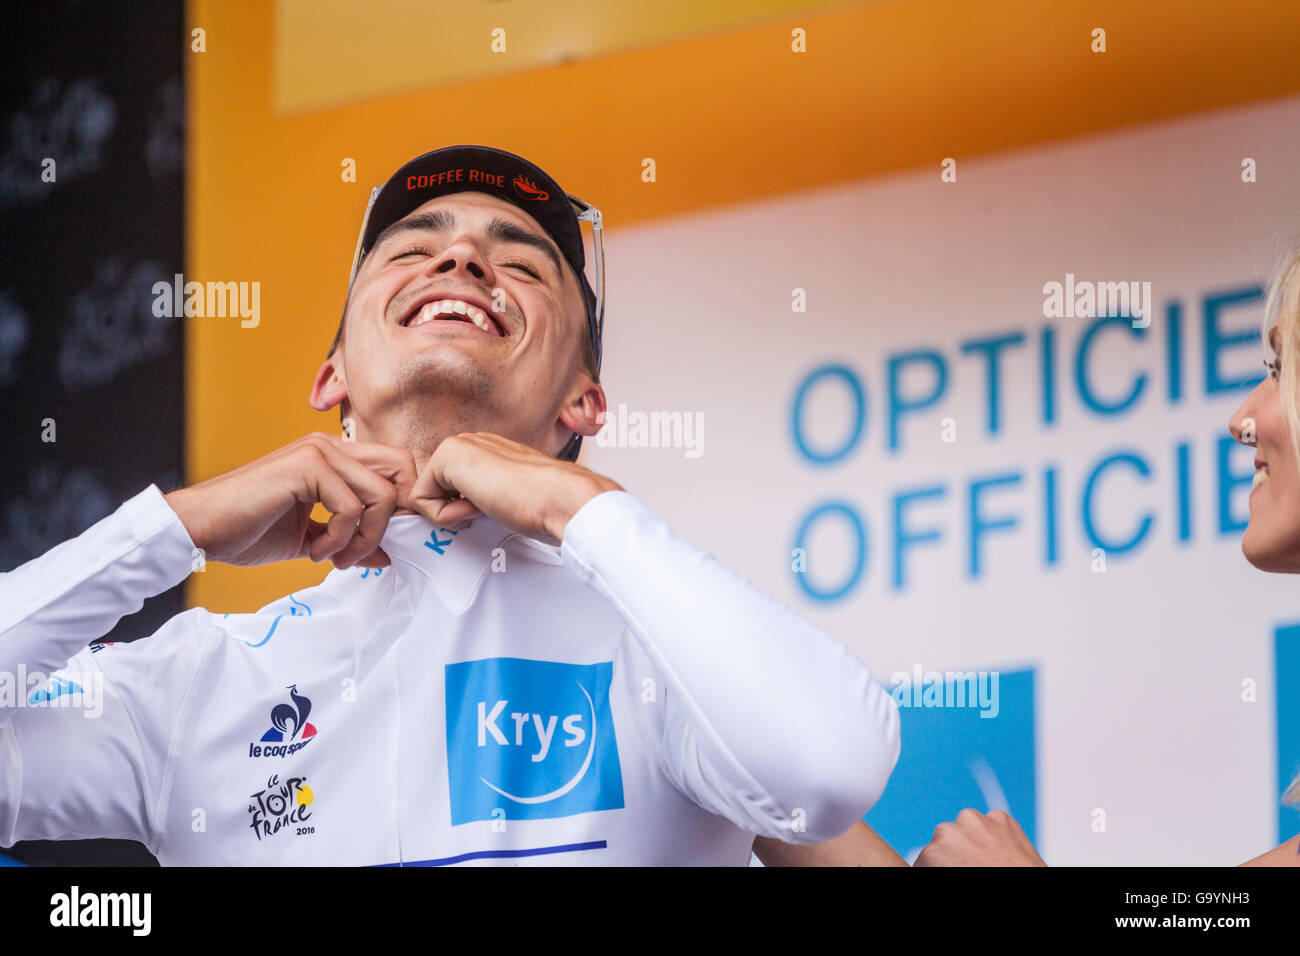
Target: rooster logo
x=289, y=721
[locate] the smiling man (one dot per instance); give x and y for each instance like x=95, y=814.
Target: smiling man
x=514, y=659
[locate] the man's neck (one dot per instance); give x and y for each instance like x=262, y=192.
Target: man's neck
x=421, y=434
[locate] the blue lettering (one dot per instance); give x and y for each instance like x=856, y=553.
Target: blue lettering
x=1233, y=481
x=898, y=405
x=1048, y=369
x=991, y=347
x=977, y=523
x=1174, y=349
x=1114, y=547
x=904, y=537
x=1049, y=516
x=437, y=544
x=1183, y=458
x=846, y=512
x=850, y=380
x=1216, y=341
x=1093, y=403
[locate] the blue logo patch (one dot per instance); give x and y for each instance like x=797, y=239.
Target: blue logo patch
x=954, y=758
x=1286, y=655
x=530, y=740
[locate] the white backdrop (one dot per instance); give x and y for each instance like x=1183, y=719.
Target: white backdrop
x=1138, y=671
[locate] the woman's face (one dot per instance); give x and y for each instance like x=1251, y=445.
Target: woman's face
x=1272, y=539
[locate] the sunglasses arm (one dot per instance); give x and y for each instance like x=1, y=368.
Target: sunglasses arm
x=365, y=221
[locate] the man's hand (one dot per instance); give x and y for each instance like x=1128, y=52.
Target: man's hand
x=262, y=512
x=516, y=485
x=979, y=839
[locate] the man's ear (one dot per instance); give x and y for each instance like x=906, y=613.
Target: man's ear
x=585, y=412
x=331, y=385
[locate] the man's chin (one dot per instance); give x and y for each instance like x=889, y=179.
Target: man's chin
x=446, y=372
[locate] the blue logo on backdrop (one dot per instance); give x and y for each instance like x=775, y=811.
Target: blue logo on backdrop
x=530, y=739
x=1286, y=650
x=952, y=759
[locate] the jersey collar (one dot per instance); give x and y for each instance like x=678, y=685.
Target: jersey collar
x=454, y=562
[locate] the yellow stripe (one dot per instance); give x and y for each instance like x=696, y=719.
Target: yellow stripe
x=328, y=52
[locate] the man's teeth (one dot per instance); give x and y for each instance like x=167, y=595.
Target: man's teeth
x=435, y=310
x=1261, y=476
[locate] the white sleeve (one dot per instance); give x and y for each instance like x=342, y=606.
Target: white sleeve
x=763, y=714
x=85, y=734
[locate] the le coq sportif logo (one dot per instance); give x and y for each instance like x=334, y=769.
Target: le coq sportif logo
x=290, y=731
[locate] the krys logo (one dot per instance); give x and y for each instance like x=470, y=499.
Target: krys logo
x=530, y=739
x=289, y=731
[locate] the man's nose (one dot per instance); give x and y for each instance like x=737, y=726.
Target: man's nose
x=461, y=255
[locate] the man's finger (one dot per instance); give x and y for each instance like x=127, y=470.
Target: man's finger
x=379, y=496
x=427, y=487
x=323, y=484
x=395, y=464
x=375, y=559
x=376, y=496
x=446, y=513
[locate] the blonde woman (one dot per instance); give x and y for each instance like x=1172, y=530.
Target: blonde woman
x=1268, y=420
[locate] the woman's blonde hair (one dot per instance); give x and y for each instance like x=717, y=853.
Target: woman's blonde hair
x=1283, y=306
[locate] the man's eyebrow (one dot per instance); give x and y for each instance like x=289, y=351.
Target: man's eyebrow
x=500, y=230
x=438, y=221
x=503, y=230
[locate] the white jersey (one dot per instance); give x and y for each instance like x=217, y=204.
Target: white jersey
x=620, y=699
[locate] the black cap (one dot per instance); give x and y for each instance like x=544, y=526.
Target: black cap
x=456, y=169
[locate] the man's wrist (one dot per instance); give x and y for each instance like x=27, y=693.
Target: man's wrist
x=578, y=493
x=178, y=501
